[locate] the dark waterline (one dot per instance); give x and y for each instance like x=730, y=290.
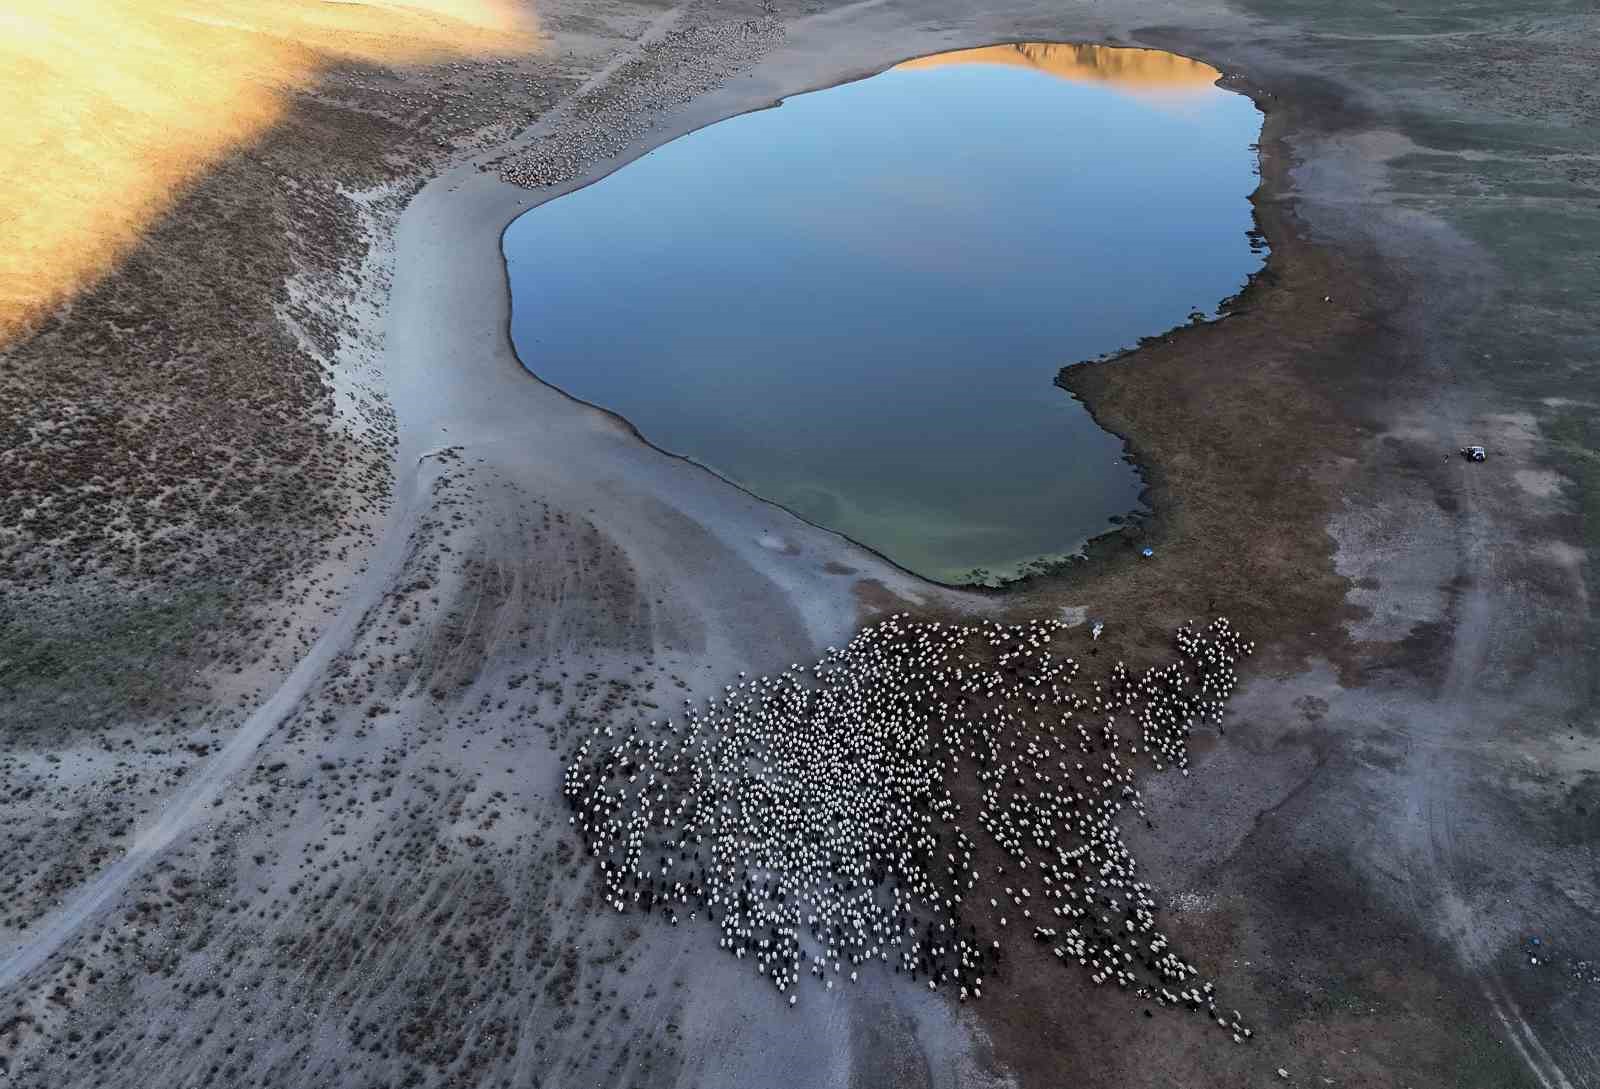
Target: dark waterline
x=855, y=304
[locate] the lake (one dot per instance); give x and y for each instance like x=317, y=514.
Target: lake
x=855, y=304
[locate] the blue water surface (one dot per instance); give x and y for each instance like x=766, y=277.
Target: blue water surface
x=855, y=304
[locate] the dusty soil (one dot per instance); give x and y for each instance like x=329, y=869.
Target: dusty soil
x=306, y=589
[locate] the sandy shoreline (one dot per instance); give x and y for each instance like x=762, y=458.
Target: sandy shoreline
x=448, y=260
x=366, y=867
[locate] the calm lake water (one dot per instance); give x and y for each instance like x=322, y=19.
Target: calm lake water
x=855, y=304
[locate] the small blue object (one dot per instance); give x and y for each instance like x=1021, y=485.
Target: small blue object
x=1147, y=552
x=1536, y=941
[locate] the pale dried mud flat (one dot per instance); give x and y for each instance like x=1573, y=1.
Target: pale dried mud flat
x=309, y=591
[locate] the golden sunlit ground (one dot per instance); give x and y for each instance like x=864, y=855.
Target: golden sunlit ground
x=112, y=106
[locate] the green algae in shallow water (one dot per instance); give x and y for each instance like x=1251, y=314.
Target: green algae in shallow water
x=856, y=304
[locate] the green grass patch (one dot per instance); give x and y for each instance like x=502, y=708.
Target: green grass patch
x=70, y=664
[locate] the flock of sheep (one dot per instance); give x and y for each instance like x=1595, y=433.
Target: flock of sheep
x=827, y=818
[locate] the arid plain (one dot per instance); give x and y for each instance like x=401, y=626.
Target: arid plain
x=308, y=591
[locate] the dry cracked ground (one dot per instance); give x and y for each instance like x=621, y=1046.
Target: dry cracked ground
x=284, y=711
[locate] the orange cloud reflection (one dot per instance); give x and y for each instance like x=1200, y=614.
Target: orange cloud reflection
x=113, y=105
x=1145, y=70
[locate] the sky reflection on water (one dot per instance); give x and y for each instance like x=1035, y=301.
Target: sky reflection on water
x=855, y=304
